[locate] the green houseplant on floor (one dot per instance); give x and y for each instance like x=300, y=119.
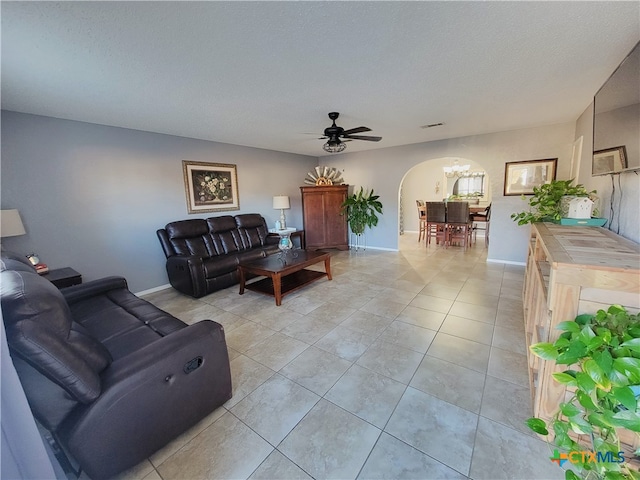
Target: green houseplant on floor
x=602, y=354
x=361, y=210
x=545, y=205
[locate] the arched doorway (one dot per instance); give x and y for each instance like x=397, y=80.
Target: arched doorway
x=427, y=181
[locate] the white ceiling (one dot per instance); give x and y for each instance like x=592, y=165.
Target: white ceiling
x=265, y=74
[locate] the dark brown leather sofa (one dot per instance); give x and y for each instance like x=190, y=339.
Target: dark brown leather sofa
x=112, y=377
x=203, y=254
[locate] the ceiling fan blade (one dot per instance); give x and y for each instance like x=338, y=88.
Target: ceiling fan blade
x=356, y=130
x=363, y=137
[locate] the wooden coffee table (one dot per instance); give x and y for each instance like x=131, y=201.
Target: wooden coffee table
x=285, y=273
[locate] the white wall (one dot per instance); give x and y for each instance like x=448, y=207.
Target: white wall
x=619, y=194
x=384, y=170
x=91, y=197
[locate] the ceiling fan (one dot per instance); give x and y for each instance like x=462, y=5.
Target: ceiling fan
x=334, y=134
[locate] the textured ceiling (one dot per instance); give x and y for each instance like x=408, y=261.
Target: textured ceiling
x=265, y=74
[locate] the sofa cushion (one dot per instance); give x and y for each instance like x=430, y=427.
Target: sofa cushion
x=123, y=322
x=224, y=234
x=39, y=329
x=253, y=230
x=190, y=237
x=221, y=264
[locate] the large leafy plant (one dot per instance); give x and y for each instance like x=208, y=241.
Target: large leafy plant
x=544, y=205
x=602, y=354
x=361, y=209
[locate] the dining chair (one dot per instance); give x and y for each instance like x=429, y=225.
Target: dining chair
x=422, y=219
x=436, y=224
x=459, y=226
x=479, y=218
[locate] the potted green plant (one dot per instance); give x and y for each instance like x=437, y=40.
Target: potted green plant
x=602, y=354
x=545, y=204
x=360, y=209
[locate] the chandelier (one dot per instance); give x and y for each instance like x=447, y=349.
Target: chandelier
x=456, y=170
x=334, y=145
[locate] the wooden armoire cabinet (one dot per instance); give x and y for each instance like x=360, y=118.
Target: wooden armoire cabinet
x=324, y=227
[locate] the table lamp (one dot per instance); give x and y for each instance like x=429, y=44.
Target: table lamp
x=11, y=224
x=281, y=202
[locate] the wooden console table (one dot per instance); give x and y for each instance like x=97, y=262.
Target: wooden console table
x=570, y=271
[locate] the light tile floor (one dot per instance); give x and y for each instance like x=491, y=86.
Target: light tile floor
x=408, y=364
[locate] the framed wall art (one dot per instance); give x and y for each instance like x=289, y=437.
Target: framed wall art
x=609, y=160
x=521, y=177
x=210, y=187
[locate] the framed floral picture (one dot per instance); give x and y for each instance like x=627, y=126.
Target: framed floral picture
x=210, y=187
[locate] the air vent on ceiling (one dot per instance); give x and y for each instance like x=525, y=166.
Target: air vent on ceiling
x=431, y=125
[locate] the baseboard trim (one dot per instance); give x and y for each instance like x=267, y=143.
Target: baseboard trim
x=506, y=262
x=153, y=290
x=384, y=249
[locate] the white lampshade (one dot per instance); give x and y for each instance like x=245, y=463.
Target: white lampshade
x=281, y=201
x=11, y=224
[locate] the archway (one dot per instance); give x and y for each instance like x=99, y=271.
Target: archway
x=427, y=181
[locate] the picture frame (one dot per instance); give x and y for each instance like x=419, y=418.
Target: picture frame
x=521, y=177
x=609, y=160
x=210, y=187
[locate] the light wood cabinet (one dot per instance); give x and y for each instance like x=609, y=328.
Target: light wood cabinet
x=324, y=227
x=570, y=271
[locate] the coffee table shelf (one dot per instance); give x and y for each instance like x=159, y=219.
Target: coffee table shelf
x=289, y=283
x=283, y=275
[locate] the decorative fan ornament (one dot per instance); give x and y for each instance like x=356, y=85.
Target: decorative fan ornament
x=324, y=176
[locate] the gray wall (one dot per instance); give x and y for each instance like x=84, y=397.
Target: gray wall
x=385, y=169
x=92, y=197
x=625, y=200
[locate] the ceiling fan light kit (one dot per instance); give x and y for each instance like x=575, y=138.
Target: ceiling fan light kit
x=334, y=133
x=334, y=146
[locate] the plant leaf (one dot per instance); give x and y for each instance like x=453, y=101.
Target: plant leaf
x=565, y=379
x=585, y=382
x=625, y=396
x=628, y=366
x=569, y=475
x=569, y=410
x=537, y=425
x=586, y=401
x=544, y=350
x=627, y=419
x=580, y=425
x=633, y=345
x=596, y=373
x=600, y=420
x=604, y=360
x=569, y=327
x=577, y=349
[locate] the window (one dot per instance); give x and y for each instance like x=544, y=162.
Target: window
x=473, y=183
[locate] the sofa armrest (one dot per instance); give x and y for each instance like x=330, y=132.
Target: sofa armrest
x=150, y=397
x=186, y=274
x=76, y=293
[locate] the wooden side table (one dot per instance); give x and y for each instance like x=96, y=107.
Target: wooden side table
x=63, y=277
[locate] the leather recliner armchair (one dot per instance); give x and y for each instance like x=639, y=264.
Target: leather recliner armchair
x=112, y=377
